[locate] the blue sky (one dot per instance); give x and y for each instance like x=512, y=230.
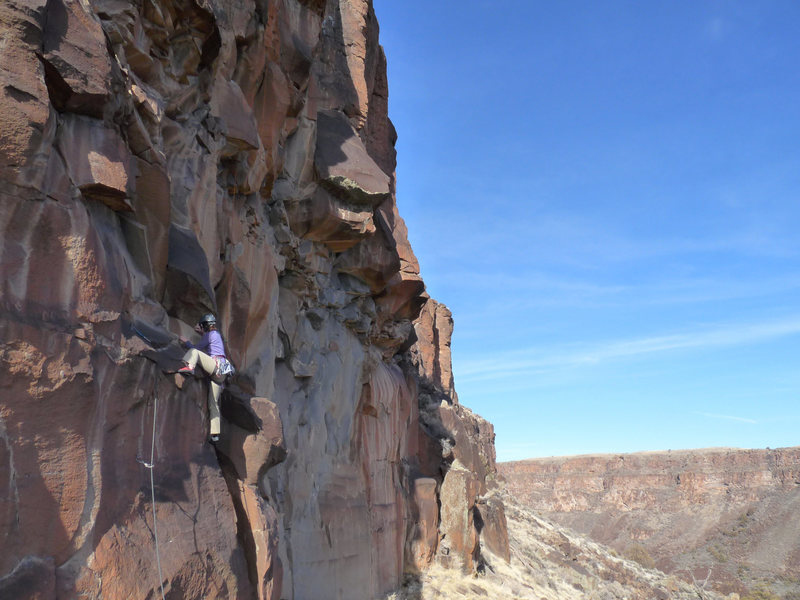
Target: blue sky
x=606, y=195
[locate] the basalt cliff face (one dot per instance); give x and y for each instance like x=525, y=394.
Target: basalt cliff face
x=724, y=514
x=160, y=159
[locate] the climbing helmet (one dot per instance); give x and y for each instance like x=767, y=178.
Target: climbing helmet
x=207, y=321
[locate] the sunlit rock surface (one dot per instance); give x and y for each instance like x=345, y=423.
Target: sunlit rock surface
x=167, y=158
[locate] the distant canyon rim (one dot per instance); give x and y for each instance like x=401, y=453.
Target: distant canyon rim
x=730, y=513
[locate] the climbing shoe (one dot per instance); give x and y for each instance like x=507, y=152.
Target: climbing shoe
x=186, y=370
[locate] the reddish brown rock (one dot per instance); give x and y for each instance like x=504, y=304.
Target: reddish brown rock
x=357, y=18
x=331, y=84
x=434, y=329
x=459, y=544
x=259, y=530
x=66, y=385
x=66, y=272
x=405, y=292
x=23, y=95
x=381, y=135
x=473, y=442
x=325, y=219
x=253, y=453
x=343, y=163
x=494, y=527
x=98, y=161
x=423, y=538
x=245, y=152
x=384, y=414
x=373, y=260
x=465, y=443
x=76, y=62
x=296, y=27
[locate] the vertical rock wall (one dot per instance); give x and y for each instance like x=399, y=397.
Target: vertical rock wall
x=160, y=159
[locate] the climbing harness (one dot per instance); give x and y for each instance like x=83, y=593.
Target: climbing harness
x=224, y=369
x=150, y=466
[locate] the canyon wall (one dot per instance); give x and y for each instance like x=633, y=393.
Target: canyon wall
x=726, y=514
x=160, y=159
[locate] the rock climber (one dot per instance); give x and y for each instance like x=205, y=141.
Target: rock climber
x=210, y=354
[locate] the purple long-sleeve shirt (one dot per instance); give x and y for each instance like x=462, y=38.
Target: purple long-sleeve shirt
x=211, y=343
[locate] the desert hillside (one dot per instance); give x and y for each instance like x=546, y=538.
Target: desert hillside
x=551, y=562
x=728, y=512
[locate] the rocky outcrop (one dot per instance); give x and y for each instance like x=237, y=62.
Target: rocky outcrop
x=461, y=452
x=168, y=158
x=726, y=514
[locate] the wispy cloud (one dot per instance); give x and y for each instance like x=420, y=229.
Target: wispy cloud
x=727, y=418
x=535, y=360
x=596, y=242
x=716, y=29
x=542, y=288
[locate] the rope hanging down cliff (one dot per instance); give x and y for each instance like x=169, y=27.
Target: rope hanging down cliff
x=150, y=466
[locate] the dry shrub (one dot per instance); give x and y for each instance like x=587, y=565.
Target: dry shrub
x=761, y=592
x=639, y=554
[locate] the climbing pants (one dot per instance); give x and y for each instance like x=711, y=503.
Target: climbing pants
x=193, y=357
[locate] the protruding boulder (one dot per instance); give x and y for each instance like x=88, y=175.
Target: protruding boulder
x=76, y=61
x=98, y=161
x=393, y=336
x=324, y=218
x=343, y=163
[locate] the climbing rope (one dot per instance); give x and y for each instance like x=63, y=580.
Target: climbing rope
x=150, y=467
x=247, y=321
